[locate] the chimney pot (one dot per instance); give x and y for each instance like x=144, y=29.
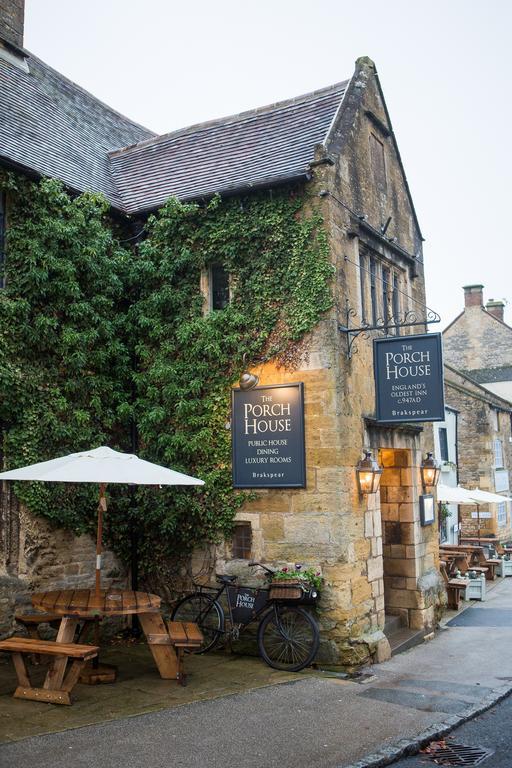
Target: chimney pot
x=496, y=308
x=473, y=296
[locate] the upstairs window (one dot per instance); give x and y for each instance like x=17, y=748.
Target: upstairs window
x=2, y=240
x=219, y=287
x=498, y=455
x=443, y=443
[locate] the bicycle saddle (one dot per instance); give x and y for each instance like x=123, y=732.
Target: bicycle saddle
x=225, y=579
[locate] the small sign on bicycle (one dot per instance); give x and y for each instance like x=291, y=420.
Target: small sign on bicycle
x=267, y=428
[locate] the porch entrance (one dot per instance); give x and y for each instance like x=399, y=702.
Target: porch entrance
x=404, y=549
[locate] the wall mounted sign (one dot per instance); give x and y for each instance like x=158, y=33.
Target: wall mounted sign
x=409, y=378
x=427, y=510
x=267, y=433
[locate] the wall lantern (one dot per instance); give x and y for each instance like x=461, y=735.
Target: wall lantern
x=368, y=474
x=247, y=380
x=430, y=471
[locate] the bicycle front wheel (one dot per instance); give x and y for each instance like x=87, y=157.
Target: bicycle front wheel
x=204, y=611
x=288, y=638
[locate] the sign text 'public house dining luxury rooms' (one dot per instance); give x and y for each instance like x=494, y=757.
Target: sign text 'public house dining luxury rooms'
x=267, y=429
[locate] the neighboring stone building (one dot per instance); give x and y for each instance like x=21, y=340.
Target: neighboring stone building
x=483, y=447
x=478, y=357
x=479, y=342
x=338, y=143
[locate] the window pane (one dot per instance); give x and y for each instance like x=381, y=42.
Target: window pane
x=385, y=296
x=373, y=289
x=498, y=454
x=242, y=541
x=362, y=285
x=219, y=287
x=443, y=443
x=502, y=514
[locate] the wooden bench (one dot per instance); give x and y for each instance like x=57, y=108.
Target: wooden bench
x=77, y=654
x=185, y=636
x=454, y=589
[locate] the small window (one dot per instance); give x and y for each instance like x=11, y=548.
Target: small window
x=219, y=287
x=498, y=454
x=443, y=443
x=242, y=542
x=2, y=240
x=502, y=514
x=378, y=163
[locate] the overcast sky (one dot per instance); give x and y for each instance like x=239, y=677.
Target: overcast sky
x=445, y=67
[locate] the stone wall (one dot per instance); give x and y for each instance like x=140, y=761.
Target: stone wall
x=36, y=556
x=12, y=19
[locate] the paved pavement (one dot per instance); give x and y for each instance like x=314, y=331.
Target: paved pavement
x=490, y=731
x=314, y=720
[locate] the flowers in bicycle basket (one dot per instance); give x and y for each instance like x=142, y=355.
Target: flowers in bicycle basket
x=309, y=577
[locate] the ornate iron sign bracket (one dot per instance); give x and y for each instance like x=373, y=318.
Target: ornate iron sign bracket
x=409, y=319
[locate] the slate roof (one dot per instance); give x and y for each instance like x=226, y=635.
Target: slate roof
x=53, y=127
x=491, y=375
x=253, y=149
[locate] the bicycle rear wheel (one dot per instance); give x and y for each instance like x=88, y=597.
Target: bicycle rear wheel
x=288, y=638
x=207, y=613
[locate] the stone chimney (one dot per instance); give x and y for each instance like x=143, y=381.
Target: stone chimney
x=473, y=294
x=12, y=17
x=496, y=308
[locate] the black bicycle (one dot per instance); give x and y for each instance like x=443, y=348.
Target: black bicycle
x=288, y=635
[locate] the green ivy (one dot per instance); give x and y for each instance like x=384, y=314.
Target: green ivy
x=95, y=336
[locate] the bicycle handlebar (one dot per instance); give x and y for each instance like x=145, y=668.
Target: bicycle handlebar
x=253, y=563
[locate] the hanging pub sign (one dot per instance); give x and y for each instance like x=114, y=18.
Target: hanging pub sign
x=267, y=432
x=409, y=378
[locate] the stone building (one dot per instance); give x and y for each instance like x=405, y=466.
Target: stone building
x=478, y=380
x=338, y=143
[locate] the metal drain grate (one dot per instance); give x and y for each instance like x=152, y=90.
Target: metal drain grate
x=456, y=754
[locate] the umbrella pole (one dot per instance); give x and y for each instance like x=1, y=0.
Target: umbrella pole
x=478, y=515
x=102, y=507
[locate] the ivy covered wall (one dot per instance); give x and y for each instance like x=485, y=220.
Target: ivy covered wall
x=103, y=337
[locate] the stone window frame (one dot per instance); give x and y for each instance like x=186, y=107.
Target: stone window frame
x=501, y=514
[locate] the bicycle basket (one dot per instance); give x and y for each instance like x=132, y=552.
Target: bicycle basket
x=246, y=602
x=293, y=591
x=286, y=590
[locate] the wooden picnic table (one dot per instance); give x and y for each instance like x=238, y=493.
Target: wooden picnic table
x=76, y=605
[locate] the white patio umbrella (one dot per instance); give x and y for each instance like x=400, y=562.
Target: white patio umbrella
x=488, y=497
x=454, y=494
x=103, y=466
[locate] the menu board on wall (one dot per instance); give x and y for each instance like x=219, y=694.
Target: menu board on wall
x=267, y=430
x=409, y=378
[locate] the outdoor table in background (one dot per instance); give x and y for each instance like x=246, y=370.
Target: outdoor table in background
x=76, y=605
